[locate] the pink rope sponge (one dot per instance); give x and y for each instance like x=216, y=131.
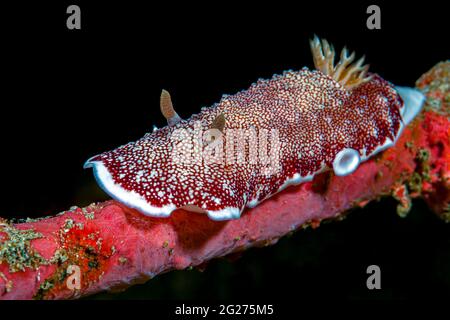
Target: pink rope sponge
x=114, y=245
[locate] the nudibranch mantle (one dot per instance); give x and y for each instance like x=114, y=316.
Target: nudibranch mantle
x=293, y=126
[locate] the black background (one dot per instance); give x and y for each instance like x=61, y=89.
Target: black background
x=69, y=94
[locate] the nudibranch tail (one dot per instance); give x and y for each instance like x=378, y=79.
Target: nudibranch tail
x=347, y=74
x=280, y=132
x=413, y=101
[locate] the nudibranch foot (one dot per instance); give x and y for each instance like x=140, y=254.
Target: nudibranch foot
x=280, y=132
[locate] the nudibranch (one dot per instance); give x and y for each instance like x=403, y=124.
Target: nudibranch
x=253, y=144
